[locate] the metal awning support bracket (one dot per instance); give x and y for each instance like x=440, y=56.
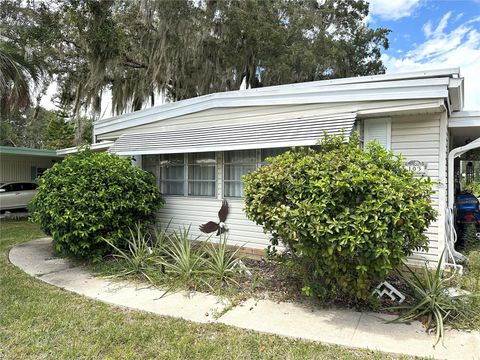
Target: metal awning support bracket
x=452, y=254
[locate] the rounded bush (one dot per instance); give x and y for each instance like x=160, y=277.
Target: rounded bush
x=348, y=216
x=91, y=196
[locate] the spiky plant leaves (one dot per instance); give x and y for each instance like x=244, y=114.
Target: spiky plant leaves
x=182, y=259
x=432, y=300
x=222, y=265
x=137, y=257
x=18, y=73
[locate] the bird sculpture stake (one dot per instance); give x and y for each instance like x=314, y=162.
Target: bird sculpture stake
x=219, y=227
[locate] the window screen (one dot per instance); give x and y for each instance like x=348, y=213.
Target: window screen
x=201, y=174
x=237, y=164
x=172, y=174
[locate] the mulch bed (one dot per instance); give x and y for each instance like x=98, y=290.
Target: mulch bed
x=275, y=281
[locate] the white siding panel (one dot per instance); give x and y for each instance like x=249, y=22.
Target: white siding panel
x=418, y=138
x=413, y=130
x=19, y=168
x=187, y=211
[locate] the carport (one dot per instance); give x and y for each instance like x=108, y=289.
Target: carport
x=464, y=139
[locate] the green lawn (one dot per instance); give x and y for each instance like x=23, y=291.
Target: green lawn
x=39, y=321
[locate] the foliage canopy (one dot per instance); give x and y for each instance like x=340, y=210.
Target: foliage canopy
x=91, y=196
x=348, y=216
x=138, y=49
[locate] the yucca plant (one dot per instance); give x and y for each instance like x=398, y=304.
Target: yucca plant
x=221, y=264
x=160, y=236
x=137, y=258
x=432, y=300
x=182, y=258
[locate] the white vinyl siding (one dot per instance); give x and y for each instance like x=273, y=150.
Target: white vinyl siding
x=378, y=130
x=23, y=168
x=184, y=212
x=417, y=137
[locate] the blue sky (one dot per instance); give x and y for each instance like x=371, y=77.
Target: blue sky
x=432, y=34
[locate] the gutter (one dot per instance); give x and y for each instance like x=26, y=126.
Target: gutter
x=96, y=147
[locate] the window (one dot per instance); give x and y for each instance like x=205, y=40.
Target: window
x=149, y=163
x=379, y=130
x=13, y=187
x=201, y=174
x=172, y=174
x=237, y=164
x=40, y=171
x=29, y=186
x=241, y=162
x=266, y=153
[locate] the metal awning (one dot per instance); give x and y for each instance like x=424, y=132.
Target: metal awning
x=304, y=131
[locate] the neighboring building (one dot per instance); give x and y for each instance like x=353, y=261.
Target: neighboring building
x=199, y=148
x=25, y=164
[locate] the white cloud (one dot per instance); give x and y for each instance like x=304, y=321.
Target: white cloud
x=443, y=23
x=393, y=9
x=459, y=47
x=427, y=28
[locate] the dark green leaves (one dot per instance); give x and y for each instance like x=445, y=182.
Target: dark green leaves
x=352, y=216
x=88, y=197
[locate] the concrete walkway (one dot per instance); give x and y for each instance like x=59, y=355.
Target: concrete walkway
x=342, y=327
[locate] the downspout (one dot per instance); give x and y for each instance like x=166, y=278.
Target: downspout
x=454, y=255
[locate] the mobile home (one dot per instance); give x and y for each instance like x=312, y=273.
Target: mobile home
x=199, y=148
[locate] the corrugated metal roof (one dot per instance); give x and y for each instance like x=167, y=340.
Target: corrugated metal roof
x=27, y=151
x=291, y=132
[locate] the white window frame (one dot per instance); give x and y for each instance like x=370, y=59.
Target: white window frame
x=158, y=175
x=187, y=181
x=258, y=164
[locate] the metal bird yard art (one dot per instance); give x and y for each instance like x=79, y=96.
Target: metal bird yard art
x=219, y=227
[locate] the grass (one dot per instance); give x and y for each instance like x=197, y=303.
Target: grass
x=39, y=321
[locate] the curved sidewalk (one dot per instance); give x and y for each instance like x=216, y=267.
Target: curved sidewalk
x=341, y=327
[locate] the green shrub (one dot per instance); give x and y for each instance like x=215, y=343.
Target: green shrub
x=348, y=216
x=91, y=196
x=469, y=235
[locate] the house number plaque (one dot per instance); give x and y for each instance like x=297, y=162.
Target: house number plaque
x=418, y=167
